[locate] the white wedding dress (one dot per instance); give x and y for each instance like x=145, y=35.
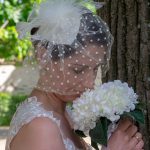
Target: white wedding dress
x=26, y=112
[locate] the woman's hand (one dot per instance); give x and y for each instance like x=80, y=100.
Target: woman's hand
x=126, y=137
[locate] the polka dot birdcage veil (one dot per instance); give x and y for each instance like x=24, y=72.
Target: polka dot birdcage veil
x=70, y=45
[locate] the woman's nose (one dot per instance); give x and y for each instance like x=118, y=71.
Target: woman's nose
x=90, y=80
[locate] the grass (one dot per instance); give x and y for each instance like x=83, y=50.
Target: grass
x=8, y=105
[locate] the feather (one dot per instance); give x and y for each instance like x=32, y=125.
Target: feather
x=58, y=20
x=23, y=29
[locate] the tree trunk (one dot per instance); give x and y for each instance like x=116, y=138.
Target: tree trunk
x=130, y=57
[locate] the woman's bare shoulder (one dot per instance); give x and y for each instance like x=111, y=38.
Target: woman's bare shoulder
x=41, y=133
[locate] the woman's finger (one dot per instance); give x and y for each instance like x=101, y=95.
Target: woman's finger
x=131, y=131
x=138, y=135
x=140, y=145
x=133, y=142
x=124, y=124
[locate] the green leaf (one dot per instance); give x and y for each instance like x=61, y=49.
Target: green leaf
x=99, y=133
x=137, y=114
x=95, y=145
x=80, y=133
x=88, y=4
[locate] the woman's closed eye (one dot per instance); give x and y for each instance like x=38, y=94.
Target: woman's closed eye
x=79, y=70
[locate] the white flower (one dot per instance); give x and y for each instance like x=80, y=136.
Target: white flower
x=109, y=100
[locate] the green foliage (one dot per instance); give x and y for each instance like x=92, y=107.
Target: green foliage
x=80, y=133
x=11, y=48
x=88, y=4
x=138, y=115
x=99, y=133
x=91, y=7
x=8, y=105
x=11, y=12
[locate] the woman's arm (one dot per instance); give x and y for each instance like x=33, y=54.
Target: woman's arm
x=40, y=134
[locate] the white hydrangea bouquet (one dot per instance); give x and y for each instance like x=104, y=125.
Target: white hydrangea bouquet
x=99, y=109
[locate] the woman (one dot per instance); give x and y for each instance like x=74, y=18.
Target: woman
x=70, y=45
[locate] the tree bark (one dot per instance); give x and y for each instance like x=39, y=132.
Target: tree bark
x=129, y=22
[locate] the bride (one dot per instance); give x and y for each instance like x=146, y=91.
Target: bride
x=70, y=45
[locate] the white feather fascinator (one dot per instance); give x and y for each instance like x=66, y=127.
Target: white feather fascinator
x=58, y=20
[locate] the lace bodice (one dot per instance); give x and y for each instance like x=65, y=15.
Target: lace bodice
x=26, y=112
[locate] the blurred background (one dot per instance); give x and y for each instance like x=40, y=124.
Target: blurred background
x=129, y=22
x=14, y=84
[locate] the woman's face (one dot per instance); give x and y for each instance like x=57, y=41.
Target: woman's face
x=77, y=73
